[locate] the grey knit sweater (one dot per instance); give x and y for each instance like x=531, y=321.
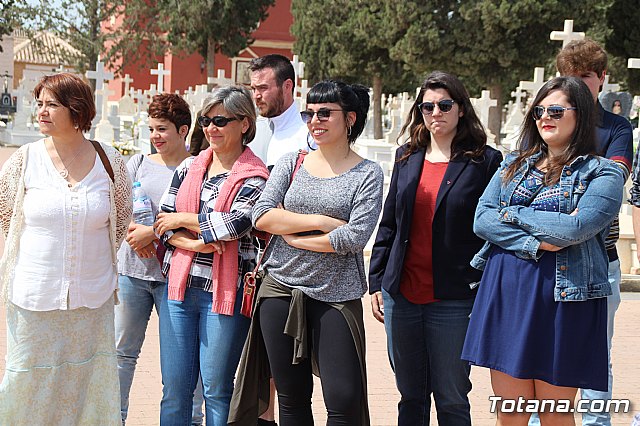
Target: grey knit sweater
x=354, y=196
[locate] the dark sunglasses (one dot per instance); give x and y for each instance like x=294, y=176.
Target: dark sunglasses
x=218, y=120
x=555, y=112
x=323, y=114
x=444, y=106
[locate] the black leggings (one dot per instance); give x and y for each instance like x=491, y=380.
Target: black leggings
x=334, y=348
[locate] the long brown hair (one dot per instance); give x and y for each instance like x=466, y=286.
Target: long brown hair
x=470, y=138
x=582, y=141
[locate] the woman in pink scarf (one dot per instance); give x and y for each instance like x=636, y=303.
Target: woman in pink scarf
x=206, y=227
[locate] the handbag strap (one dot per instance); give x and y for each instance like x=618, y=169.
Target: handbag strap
x=103, y=158
x=299, y=160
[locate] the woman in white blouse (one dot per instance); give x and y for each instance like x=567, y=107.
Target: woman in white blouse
x=65, y=203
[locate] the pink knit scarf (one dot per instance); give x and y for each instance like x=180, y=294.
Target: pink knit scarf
x=225, y=266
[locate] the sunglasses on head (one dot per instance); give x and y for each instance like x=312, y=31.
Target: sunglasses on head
x=218, y=120
x=323, y=114
x=555, y=112
x=444, y=106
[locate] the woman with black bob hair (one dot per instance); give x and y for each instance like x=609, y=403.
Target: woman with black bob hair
x=419, y=269
x=321, y=209
x=540, y=318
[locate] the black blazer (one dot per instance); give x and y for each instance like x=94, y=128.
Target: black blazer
x=454, y=242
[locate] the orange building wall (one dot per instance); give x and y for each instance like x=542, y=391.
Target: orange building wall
x=272, y=36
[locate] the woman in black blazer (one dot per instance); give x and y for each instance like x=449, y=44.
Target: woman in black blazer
x=420, y=280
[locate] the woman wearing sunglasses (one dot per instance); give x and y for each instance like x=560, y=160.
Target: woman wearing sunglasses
x=540, y=318
x=206, y=226
x=419, y=276
x=309, y=313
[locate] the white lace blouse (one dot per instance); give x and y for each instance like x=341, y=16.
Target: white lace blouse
x=65, y=254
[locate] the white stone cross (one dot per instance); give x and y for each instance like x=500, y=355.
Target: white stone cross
x=633, y=63
x=160, y=72
x=127, y=80
x=104, y=94
x=482, y=105
x=567, y=35
x=99, y=75
x=518, y=94
x=152, y=91
x=609, y=87
x=536, y=84
x=220, y=80
x=298, y=67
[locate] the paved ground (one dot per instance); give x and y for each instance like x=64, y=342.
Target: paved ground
x=383, y=397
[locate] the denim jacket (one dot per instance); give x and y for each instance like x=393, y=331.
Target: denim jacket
x=591, y=184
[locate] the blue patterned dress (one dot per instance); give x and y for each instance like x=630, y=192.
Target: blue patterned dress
x=517, y=328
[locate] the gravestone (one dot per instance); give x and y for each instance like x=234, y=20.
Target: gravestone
x=160, y=72
x=610, y=100
x=609, y=87
x=482, y=105
x=7, y=106
x=535, y=85
x=100, y=75
x=220, y=80
x=567, y=35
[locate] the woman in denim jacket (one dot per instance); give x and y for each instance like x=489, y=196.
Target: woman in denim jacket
x=539, y=321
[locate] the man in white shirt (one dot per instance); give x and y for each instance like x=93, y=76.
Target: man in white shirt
x=280, y=128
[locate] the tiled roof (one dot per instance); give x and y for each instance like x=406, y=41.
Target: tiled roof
x=43, y=48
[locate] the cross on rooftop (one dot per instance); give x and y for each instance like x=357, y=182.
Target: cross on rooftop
x=160, y=72
x=607, y=87
x=127, y=80
x=567, y=35
x=536, y=84
x=99, y=75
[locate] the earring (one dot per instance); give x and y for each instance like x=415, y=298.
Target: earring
x=349, y=131
x=75, y=126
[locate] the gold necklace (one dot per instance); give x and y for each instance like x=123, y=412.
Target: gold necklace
x=64, y=173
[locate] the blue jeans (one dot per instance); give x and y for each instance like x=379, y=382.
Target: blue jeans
x=424, y=344
x=613, y=302
x=195, y=342
x=137, y=299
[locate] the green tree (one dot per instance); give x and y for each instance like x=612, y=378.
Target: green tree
x=623, y=40
x=498, y=42
x=211, y=26
x=8, y=17
x=371, y=42
x=110, y=30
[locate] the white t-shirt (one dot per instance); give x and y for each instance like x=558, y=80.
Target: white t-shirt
x=289, y=134
x=64, y=260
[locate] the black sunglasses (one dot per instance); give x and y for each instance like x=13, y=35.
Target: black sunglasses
x=555, y=112
x=323, y=114
x=218, y=120
x=444, y=106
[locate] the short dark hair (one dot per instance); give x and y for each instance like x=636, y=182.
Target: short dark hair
x=581, y=56
x=470, y=138
x=171, y=107
x=351, y=97
x=583, y=140
x=73, y=93
x=281, y=66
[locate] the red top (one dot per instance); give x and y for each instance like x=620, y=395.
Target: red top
x=417, y=277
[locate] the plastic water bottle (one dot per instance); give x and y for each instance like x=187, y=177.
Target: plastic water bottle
x=142, y=210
